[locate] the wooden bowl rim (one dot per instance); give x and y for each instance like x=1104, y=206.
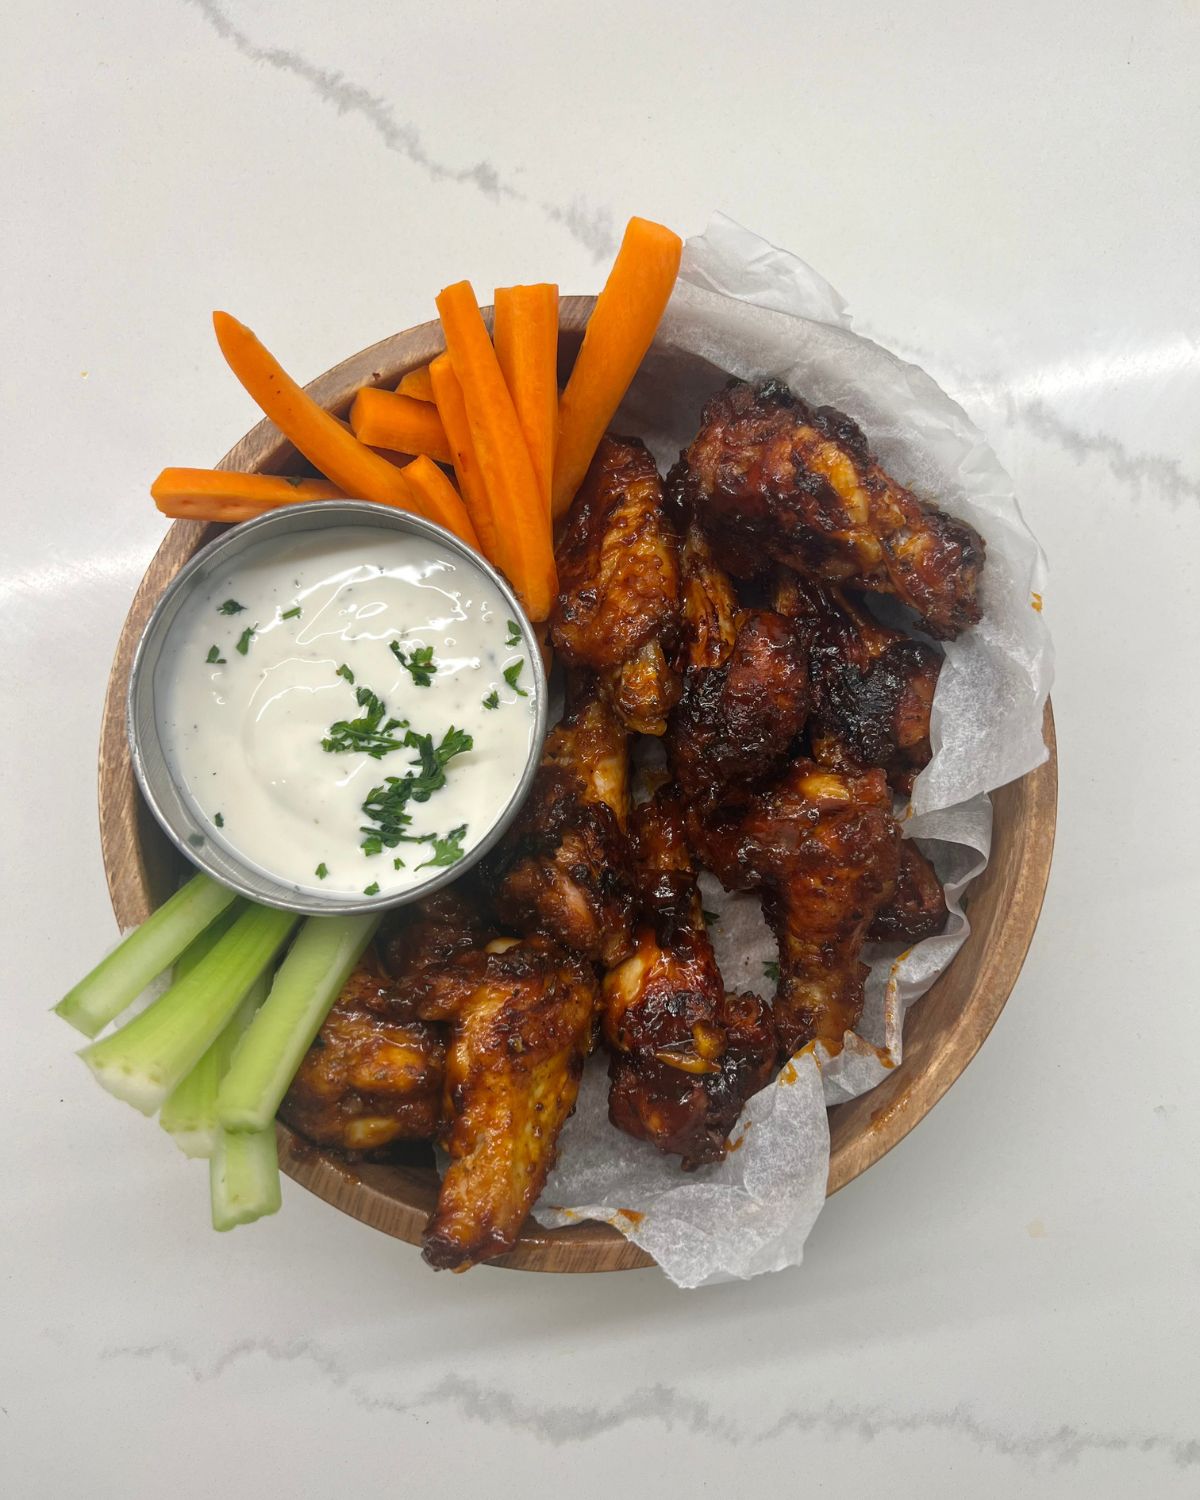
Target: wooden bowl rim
x=591, y=1246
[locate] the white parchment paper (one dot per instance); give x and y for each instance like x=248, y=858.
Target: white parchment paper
x=744, y=307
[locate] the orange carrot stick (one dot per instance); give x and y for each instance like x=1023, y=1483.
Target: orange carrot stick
x=441, y=500
x=619, y=332
x=453, y=411
x=212, y=494
x=524, y=549
x=526, y=337
x=321, y=437
x=381, y=419
x=417, y=384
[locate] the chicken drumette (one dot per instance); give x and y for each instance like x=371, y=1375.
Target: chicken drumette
x=617, y=611
x=563, y=868
x=745, y=686
x=824, y=850
x=770, y=477
x=872, y=688
x=522, y=1017
x=685, y=1055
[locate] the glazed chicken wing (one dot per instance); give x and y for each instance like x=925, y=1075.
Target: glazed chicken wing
x=685, y=1055
x=522, y=1018
x=769, y=476
x=917, y=907
x=373, y=1074
x=872, y=687
x=824, y=850
x=617, y=611
x=745, y=688
x=563, y=867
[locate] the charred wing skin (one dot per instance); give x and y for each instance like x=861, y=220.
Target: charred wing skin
x=418, y=940
x=374, y=1073
x=563, y=868
x=917, y=908
x=617, y=611
x=685, y=1056
x=770, y=476
x=521, y=1026
x=824, y=850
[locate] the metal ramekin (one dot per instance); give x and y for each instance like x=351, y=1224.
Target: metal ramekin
x=167, y=800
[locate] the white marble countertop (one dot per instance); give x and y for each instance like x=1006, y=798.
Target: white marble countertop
x=1006, y=1305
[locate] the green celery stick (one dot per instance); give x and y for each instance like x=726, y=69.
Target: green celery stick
x=189, y=1115
x=307, y=983
x=144, y=1061
x=119, y=979
x=243, y=1177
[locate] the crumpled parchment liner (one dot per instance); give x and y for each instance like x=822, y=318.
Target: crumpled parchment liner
x=748, y=308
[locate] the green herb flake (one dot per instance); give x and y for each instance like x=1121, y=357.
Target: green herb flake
x=321, y=871
x=387, y=805
x=291, y=614
x=447, y=851
x=293, y=479
x=420, y=665
x=214, y=657
x=219, y=820
x=397, y=863
x=230, y=607
x=492, y=700
x=371, y=733
x=512, y=673
x=344, y=671
x=710, y=916
x=243, y=641
x=771, y=970
x=372, y=889
x=514, y=633
x=196, y=840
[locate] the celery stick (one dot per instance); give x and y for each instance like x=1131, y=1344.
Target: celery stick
x=306, y=985
x=189, y=1115
x=243, y=1177
x=199, y=947
x=119, y=979
x=144, y=1061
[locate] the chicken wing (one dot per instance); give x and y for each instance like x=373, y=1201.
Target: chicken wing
x=563, y=868
x=769, y=476
x=745, y=688
x=522, y=1018
x=917, y=907
x=824, y=850
x=872, y=687
x=685, y=1055
x=373, y=1074
x=617, y=611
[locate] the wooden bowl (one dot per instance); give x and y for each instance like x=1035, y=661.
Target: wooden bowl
x=942, y=1032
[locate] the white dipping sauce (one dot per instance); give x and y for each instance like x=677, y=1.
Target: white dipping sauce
x=244, y=734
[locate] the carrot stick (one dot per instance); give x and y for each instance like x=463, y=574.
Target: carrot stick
x=417, y=384
x=211, y=494
x=619, y=332
x=441, y=500
x=453, y=411
x=381, y=419
x=524, y=549
x=526, y=337
x=321, y=437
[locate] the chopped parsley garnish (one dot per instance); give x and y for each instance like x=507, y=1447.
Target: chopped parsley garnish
x=419, y=665
x=219, y=820
x=243, y=641
x=196, y=840
x=291, y=614
x=293, y=479
x=371, y=733
x=492, y=700
x=387, y=804
x=344, y=671
x=512, y=673
x=397, y=863
x=771, y=970
x=447, y=851
x=230, y=607
x=214, y=657
x=372, y=889
x=321, y=871
x=514, y=633
x=710, y=916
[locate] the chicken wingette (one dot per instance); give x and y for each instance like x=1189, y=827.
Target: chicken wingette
x=768, y=476
x=617, y=610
